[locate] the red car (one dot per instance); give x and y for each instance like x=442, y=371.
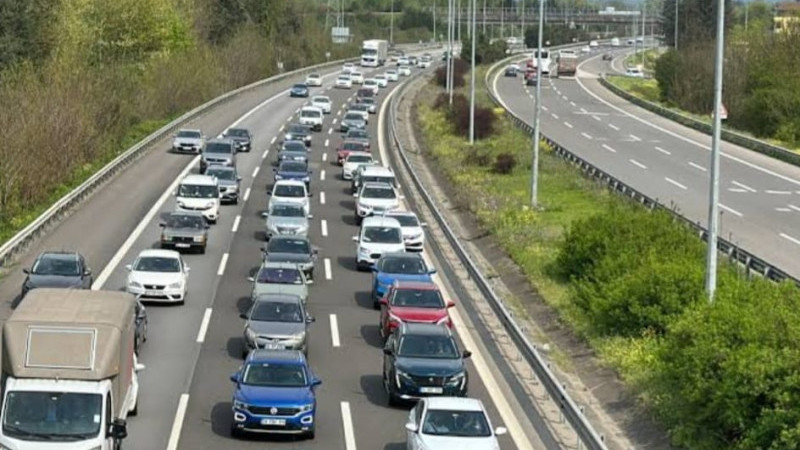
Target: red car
x=413, y=301
x=347, y=147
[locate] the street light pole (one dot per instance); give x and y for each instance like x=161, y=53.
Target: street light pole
x=676, y=25
x=537, y=113
x=522, y=24
x=450, y=54
x=484, y=16
x=713, y=207
x=435, y=38
x=391, y=26
x=458, y=21
x=472, y=81
x=448, y=47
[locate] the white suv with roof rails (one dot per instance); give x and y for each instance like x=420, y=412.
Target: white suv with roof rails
x=199, y=193
x=413, y=232
x=375, y=198
x=290, y=191
x=312, y=116
x=378, y=235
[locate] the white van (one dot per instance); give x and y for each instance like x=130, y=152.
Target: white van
x=199, y=193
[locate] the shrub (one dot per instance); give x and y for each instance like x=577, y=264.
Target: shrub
x=484, y=120
x=460, y=69
x=474, y=157
x=504, y=163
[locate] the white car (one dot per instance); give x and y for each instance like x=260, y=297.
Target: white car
x=353, y=160
x=634, y=72
x=158, y=275
x=322, y=102
x=357, y=77
x=403, y=61
x=451, y=422
x=371, y=83
x=404, y=71
x=586, y=49
x=378, y=235
x=375, y=198
x=290, y=191
x=343, y=82
x=392, y=75
x=413, y=232
x=424, y=62
x=199, y=193
x=382, y=80
x=314, y=79
x=312, y=116
x=363, y=112
x=348, y=67
x=593, y=44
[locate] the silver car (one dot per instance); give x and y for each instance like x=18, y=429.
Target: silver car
x=276, y=321
x=188, y=141
x=292, y=249
x=229, y=181
x=287, y=219
x=219, y=152
x=279, y=278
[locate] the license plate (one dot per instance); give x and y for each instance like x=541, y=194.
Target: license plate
x=182, y=245
x=273, y=346
x=430, y=390
x=152, y=293
x=298, y=158
x=279, y=422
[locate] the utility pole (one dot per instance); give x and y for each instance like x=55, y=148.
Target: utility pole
x=450, y=50
x=484, y=16
x=676, y=25
x=435, y=38
x=644, y=19
x=458, y=21
x=713, y=207
x=502, y=19
x=522, y=24
x=391, y=26
x=447, y=48
x=537, y=112
x=472, y=81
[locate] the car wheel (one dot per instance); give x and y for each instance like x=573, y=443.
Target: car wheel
x=236, y=201
x=235, y=432
x=135, y=410
x=203, y=250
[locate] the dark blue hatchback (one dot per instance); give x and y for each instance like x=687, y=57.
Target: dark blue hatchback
x=293, y=170
x=274, y=393
x=299, y=90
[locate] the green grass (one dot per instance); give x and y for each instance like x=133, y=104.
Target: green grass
x=650, y=57
x=644, y=88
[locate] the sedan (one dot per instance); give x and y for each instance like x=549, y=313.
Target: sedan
x=298, y=132
x=393, y=267
x=191, y=141
x=607, y=57
x=158, y=275
x=293, y=170
x=404, y=71
x=353, y=160
x=57, y=270
x=286, y=219
x=392, y=75
x=276, y=322
x=357, y=77
x=292, y=249
x=360, y=108
x=185, y=230
x=348, y=67
x=382, y=80
x=292, y=154
x=352, y=120
x=370, y=104
x=359, y=136
x=343, y=82
x=413, y=233
x=372, y=84
x=510, y=72
x=322, y=102
x=314, y=79
x=279, y=278
x=229, y=182
x=299, y=90
x=241, y=137
x=451, y=422
x=413, y=301
x=347, y=148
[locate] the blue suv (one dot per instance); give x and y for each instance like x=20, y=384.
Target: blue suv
x=274, y=394
x=293, y=170
x=397, y=267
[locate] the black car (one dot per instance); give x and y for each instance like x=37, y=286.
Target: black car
x=292, y=249
x=423, y=359
x=298, y=132
x=57, y=270
x=511, y=72
x=184, y=230
x=299, y=90
x=607, y=57
x=241, y=137
x=140, y=334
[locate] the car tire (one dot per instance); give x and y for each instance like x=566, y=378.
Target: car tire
x=203, y=250
x=236, y=201
x=135, y=410
x=235, y=432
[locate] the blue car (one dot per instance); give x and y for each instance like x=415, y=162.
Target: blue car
x=299, y=90
x=275, y=394
x=293, y=170
x=397, y=267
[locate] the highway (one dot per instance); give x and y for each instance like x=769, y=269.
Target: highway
x=192, y=349
x=759, y=196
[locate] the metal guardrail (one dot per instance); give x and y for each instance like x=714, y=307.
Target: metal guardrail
x=571, y=411
x=735, y=253
x=41, y=224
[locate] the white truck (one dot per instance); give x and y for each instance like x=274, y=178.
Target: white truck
x=374, y=52
x=69, y=371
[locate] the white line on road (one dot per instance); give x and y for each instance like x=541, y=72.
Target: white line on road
x=555, y=116
x=334, y=331
x=789, y=238
x=531, y=96
x=586, y=135
x=236, y=224
x=597, y=118
x=327, y=264
x=327, y=141
x=743, y=186
x=783, y=210
x=544, y=108
x=613, y=127
x=730, y=210
x=321, y=175
x=222, y=264
x=737, y=190
x=347, y=424
x=567, y=124
x=321, y=198
x=584, y=111
x=177, y=424
x=255, y=171
x=289, y=119
x=567, y=98
x=572, y=103
x=698, y=166
x=779, y=192
x=794, y=207
x=324, y=157
x=334, y=122
x=670, y=180
x=608, y=147
x=666, y=152
x=283, y=127
x=635, y=138
x=274, y=138
x=324, y=225
x=201, y=334
x=264, y=155
x=246, y=194
x=339, y=113
x=330, y=130
x=637, y=164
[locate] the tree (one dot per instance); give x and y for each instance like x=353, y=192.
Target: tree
x=697, y=20
x=24, y=26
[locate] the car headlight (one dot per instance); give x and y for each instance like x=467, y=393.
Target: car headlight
x=287, y=136
x=250, y=334
x=239, y=405
x=400, y=375
x=278, y=177
x=443, y=320
x=210, y=205
x=394, y=318
x=363, y=251
x=134, y=284
x=307, y=179
x=307, y=408
x=297, y=337
x=199, y=238
x=181, y=204
x=176, y=285
x=301, y=230
x=455, y=380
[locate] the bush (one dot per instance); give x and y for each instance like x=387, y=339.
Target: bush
x=475, y=157
x=460, y=69
x=504, y=164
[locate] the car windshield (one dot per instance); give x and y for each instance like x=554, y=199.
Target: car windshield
x=354, y=117
x=353, y=146
x=237, y=132
x=274, y=374
x=406, y=220
x=298, y=129
x=356, y=74
x=289, y=190
x=377, y=179
x=279, y=275
x=321, y=100
x=370, y=83
x=64, y=266
x=344, y=78
x=219, y=147
x=268, y=311
x=378, y=192
x=382, y=235
x=280, y=245
x=198, y=191
x=359, y=158
x=186, y=221
x=293, y=154
x=189, y=134
x=299, y=86
x=287, y=211
x=360, y=107
x=157, y=264
x=406, y=266
x=52, y=416
x=428, y=346
x=423, y=298
x=441, y=422
x=357, y=134
x=293, y=166
x=296, y=146
x=368, y=101
x=314, y=75
x=313, y=113
x=221, y=173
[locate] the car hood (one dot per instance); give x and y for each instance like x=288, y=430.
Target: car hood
x=355, y=122
x=389, y=278
x=291, y=222
x=378, y=202
x=56, y=281
x=274, y=396
x=195, y=202
x=459, y=443
x=429, y=367
x=376, y=247
x=290, y=257
x=188, y=141
x=155, y=277
x=273, y=288
x=227, y=183
x=412, y=231
x=218, y=156
x=183, y=232
x=419, y=314
x=262, y=328
x=293, y=200
x=288, y=174
x=238, y=138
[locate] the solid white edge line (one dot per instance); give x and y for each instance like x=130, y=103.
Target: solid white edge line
x=789, y=238
x=324, y=227
x=321, y=198
x=334, y=331
x=255, y=171
x=177, y=424
x=201, y=334
x=322, y=175
x=327, y=264
x=246, y=194
x=222, y=263
x=670, y=180
x=235, y=226
x=347, y=425
x=609, y=148
x=698, y=166
x=730, y=210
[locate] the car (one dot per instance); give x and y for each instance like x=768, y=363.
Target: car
x=640, y=39
x=220, y=152
x=229, y=182
x=378, y=235
x=360, y=108
x=311, y=116
x=634, y=72
x=381, y=80
x=607, y=57
x=199, y=193
x=375, y=199
x=424, y=62
x=372, y=173
x=292, y=249
x=370, y=104
x=298, y=132
x=357, y=77
x=314, y=79
x=352, y=120
x=510, y=72
x=423, y=359
x=241, y=137
x=630, y=42
x=274, y=393
x=586, y=49
x=188, y=141
x=412, y=60
x=292, y=154
x=413, y=232
x=57, y=270
x=404, y=71
x=279, y=278
x=348, y=68
x=515, y=66
x=293, y=170
x=400, y=266
x=451, y=422
x=343, y=82
x=403, y=61
x=286, y=219
x=392, y=75
x=140, y=332
x=290, y=191
x=353, y=160
x=299, y=90
x=276, y=322
x=615, y=42
x=322, y=102
x=371, y=83
x=364, y=93
x=412, y=301
x=347, y=147
x=531, y=78
x=358, y=134
x=184, y=230
x=158, y=275
x=593, y=44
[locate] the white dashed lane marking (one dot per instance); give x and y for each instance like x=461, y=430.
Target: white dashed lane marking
x=670, y=180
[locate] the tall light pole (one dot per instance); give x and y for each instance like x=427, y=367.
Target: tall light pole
x=435, y=38
x=458, y=21
x=522, y=24
x=675, y=44
x=447, y=48
x=502, y=19
x=484, y=16
x=644, y=19
x=450, y=51
x=472, y=80
x=537, y=113
x=713, y=207
x=391, y=25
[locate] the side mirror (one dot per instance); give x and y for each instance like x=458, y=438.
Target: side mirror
x=355, y=194
x=87, y=272
x=499, y=431
x=269, y=192
x=251, y=279
x=355, y=238
x=431, y=271
x=235, y=377
x=118, y=429
x=274, y=169
x=423, y=224
x=206, y=226
x=264, y=213
x=387, y=351
x=451, y=303
x=310, y=319
x=129, y=267
x=243, y=315
x=162, y=224
x=310, y=216
x=238, y=178
x=310, y=194
x=412, y=427
x=26, y=270
x=187, y=269
x=175, y=193
x=139, y=367
x=316, y=382
x=466, y=353
x=383, y=301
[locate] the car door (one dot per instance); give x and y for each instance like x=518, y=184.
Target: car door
x=385, y=311
x=415, y=416
x=86, y=273
x=388, y=360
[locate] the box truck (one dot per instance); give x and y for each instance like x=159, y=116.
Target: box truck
x=567, y=64
x=69, y=370
x=374, y=52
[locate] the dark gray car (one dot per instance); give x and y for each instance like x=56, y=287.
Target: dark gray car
x=241, y=137
x=184, y=230
x=292, y=249
x=276, y=321
x=229, y=182
x=291, y=154
x=218, y=152
x=57, y=270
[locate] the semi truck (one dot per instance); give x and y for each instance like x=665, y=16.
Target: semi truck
x=567, y=64
x=69, y=370
x=374, y=52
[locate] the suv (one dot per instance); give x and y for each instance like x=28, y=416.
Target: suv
x=219, y=152
x=293, y=170
x=289, y=191
x=292, y=249
x=57, y=270
x=397, y=267
x=241, y=137
x=276, y=321
x=199, y=193
x=274, y=393
x=375, y=198
x=184, y=230
x=413, y=233
x=229, y=182
x=188, y=141
x=423, y=359
x=322, y=102
x=374, y=173
x=412, y=301
x=286, y=219
x=312, y=117
x=279, y=278
x=378, y=235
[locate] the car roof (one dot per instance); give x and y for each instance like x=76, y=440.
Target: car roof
x=221, y=141
x=275, y=356
x=178, y=212
x=423, y=328
x=403, y=255
x=293, y=142
x=286, y=204
x=378, y=185
x=222, y=168
x=320, y=97
x=157, y=252
x=193, y=130
x=202, y=180
x=290, y=183
x=380, y=221
x=358, y=154
x=278, y=265
x=377, y=171
x=455, y=403
x=416, y=285
x=59, y=254
x=399, y=212
x=311, y=108
x=285, y=237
